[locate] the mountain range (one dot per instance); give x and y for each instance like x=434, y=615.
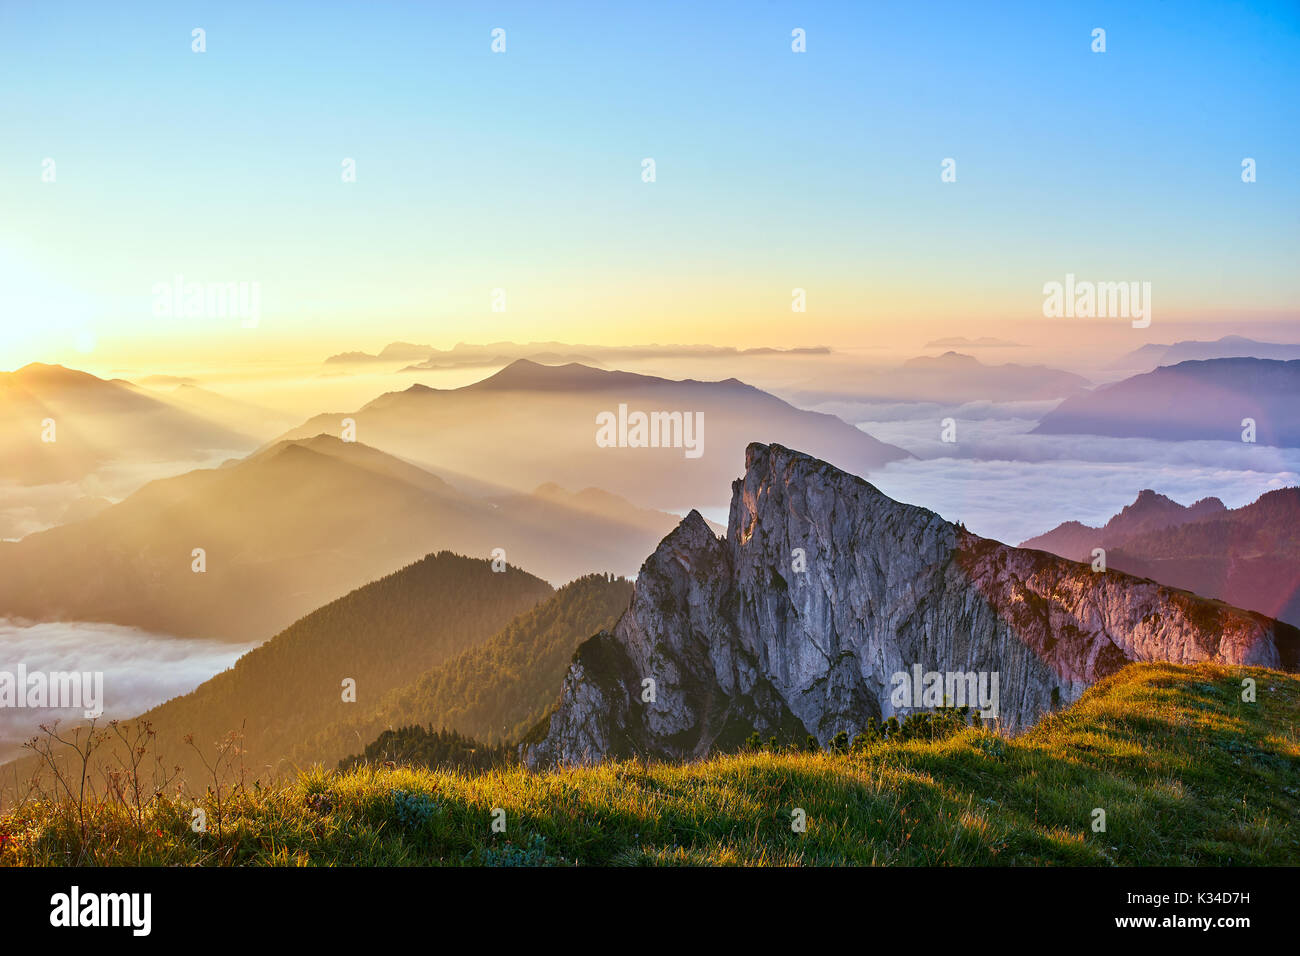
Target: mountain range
x=243, y=417
x=1195, y=400
x=1248, y=556
x=1229, y=346
x=58, y=424
x=963, y=342
x=797, y=623
x=1149, y=512
x=951, y=378
x=530, y=424
x=292, y=527
x=465, y=355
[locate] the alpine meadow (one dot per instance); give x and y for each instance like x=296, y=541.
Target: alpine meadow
x=688, y=438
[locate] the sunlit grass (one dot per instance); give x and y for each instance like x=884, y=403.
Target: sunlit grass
x=1186, y=772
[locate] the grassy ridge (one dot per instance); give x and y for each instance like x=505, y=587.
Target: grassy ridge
x=1186, y=772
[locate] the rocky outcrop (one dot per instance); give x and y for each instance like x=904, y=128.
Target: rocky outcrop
x=824, y=590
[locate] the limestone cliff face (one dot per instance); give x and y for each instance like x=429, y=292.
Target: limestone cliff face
x=824, y=588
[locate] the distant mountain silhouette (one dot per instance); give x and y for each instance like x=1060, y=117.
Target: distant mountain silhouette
x=1148, y=512
x=165, y=381
x=404, y=351
x=530, y=423
x=546, y=358
x=243, y=417
x=1230, y=346
x=1190, y=401
x=292, y=527
x=94, y=422
x=465, y=355
x=962, y=342
x=951, y=378
x=1206, y=400
x=1249, y=556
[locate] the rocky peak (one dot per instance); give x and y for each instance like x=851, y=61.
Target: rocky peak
x=825, y=590
x=1152, y=511
x=1206, y=506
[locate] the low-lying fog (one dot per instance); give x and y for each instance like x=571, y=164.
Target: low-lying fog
x=140, y=669
x=1005, y=483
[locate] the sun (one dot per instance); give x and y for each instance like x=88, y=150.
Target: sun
x=40, y=318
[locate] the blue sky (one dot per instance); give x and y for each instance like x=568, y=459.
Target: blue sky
x=522, y=170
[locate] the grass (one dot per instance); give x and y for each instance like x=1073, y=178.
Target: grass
x=1186, y=772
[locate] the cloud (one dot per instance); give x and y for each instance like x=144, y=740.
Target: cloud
x=866, y=414
x=1004, y=483
x=991, y=439
x=140, y=669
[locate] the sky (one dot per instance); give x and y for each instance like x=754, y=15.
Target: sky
x=522, y=171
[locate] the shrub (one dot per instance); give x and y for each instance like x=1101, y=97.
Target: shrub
x=413, y=810
x=532, y=853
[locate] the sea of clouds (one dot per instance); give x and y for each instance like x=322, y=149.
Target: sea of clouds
x=141, y=669
x=1008, y=484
